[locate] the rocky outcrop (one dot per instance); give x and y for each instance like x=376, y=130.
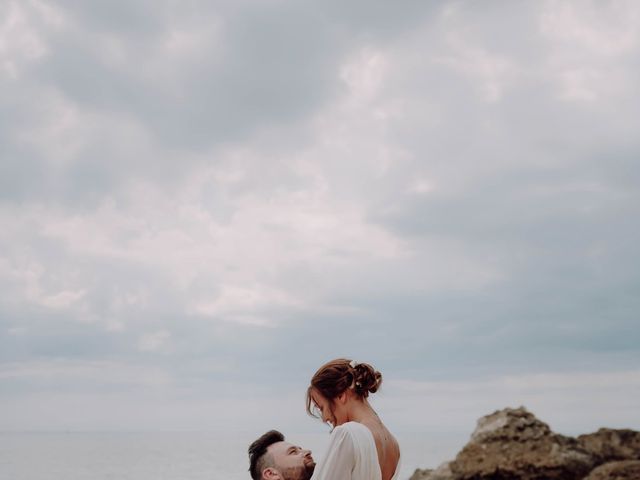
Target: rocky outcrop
x=624, y=470
x=443, y=472
x=607, y=444
x=421, y=474
x=512, y=444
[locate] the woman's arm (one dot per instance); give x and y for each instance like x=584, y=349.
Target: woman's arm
x=339, y=462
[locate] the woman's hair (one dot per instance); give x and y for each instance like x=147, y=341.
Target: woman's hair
x=336, y=376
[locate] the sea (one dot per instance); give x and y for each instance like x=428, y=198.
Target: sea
x=174, y=455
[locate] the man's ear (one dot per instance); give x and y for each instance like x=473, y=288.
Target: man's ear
x=270, y=473
x=342, y=398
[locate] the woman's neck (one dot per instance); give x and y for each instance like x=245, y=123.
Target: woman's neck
x=360, y=411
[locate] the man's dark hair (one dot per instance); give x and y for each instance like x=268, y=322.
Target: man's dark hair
x=258, y=457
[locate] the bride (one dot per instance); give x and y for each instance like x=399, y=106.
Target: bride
x=360, y=447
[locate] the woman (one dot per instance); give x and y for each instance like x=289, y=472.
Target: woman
x=361, y=447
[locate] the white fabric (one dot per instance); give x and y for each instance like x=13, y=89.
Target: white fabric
x=351, y=455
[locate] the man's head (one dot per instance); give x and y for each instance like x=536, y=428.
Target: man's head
x=272, y=458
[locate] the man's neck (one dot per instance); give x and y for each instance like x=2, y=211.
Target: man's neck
x=295, y=473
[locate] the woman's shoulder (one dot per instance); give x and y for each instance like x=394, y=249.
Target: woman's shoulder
x=344, y=429
x=352, y=426
x=356, y=432
x=344, y=437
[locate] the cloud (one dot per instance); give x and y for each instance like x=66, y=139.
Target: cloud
x=555, y=397
x=233, y=194
x=153, y=342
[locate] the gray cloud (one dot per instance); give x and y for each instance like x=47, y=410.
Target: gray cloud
x=199, y=199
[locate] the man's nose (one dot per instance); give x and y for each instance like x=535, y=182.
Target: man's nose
x=306, y=452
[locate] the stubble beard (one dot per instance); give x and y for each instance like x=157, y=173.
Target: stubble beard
x=298, y=473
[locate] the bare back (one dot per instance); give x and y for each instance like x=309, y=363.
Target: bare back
x=386, y=445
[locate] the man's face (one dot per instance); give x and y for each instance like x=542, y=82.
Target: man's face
x=293, y=462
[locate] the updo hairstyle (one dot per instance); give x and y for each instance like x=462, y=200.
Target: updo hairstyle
x=338, y=375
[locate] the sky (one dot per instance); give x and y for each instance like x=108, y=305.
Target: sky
x=203, y=202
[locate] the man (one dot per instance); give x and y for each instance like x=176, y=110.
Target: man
x=272, y=458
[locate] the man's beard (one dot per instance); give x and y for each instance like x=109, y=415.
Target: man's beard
x=298, y=473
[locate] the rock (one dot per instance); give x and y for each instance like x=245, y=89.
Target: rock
x=513, y=444
x=443, y=472
x=623, y=470
x=421, y=474
x=608, y=445
x=510, y=425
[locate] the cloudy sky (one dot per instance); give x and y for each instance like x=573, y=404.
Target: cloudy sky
x=201, y=202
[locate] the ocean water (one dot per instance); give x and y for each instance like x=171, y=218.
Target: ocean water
x=172, y=455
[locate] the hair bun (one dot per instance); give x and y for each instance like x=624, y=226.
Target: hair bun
x=366, y=379
x=340, y=375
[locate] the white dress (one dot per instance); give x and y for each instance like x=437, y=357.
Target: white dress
x=351, y=455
